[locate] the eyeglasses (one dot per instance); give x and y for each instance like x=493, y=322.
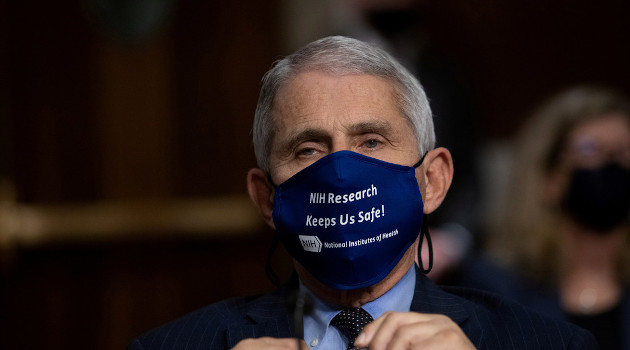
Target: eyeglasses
x=589, y=153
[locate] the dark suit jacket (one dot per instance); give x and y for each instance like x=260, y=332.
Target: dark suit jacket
x=490, y=322
x=548, y=304
x=478, y=272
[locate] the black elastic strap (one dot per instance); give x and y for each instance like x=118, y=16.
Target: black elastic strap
x=270, y=180
x=271, y=275
x=420, y=161
x=424, y=232
x=300, y=304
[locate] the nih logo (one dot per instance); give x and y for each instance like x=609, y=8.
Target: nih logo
x=311, y=243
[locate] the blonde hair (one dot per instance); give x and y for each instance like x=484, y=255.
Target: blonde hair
x=525, y=236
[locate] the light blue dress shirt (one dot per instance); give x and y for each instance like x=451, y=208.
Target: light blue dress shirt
x=318, y=333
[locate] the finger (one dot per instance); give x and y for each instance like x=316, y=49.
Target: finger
x=438, y=333
x=410, y=334
x=365, y=337
x=379, y=333
x=449, y=339
x=399, y=330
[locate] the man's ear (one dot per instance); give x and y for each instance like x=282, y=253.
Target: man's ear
x=261, y=193
x=437, y=173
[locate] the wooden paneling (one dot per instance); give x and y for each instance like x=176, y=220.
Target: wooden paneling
x=84, y=296
x=135, y=117
x=52, y=97
x=125, y=204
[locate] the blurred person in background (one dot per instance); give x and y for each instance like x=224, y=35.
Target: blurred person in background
x=566, y=228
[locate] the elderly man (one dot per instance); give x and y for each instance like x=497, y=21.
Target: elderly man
x=347, y=173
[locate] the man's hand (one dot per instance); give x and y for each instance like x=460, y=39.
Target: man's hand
x=412, y=330
x=268, y=343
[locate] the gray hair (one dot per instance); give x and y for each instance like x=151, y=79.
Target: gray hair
x=342, y=56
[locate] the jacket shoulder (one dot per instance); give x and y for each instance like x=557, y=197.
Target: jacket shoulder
x=498, y=322
x=207, y=327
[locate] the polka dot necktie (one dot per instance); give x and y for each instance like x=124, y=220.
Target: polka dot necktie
x=350, y=322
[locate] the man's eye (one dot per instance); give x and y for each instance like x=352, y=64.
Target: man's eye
x=372, y=143
x=306, y=152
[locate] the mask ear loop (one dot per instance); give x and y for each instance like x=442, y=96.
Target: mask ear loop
x=418, y=163
x=424, y=232
x=271, y=274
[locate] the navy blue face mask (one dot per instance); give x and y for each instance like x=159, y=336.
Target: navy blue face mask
x=348, y=219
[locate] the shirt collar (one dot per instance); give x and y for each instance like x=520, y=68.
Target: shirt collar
x=398, y=298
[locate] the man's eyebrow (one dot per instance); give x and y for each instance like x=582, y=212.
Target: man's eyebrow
x=305, y=135
x=375, y=126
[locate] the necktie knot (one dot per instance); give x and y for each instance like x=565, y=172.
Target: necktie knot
x=350, y=322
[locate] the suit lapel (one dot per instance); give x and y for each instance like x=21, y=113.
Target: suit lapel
x=267, y=316
x=431, y=299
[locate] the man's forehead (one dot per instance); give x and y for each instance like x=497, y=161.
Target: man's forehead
x=311, y=81
x=312, y=93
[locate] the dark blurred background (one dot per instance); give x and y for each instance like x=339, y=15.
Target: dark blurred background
x=125, y=136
